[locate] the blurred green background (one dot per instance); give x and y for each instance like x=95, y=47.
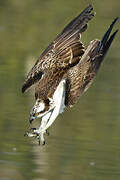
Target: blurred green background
x=84, y=141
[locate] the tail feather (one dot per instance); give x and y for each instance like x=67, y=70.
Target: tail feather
x=110, y=40
x=106, y=35
x=106, y=41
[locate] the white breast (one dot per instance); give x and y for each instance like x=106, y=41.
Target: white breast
x=59, y=96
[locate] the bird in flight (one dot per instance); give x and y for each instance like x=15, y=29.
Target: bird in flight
x=64, y=71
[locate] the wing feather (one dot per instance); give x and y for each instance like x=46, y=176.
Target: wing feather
x=80, y=77
x=54, y=54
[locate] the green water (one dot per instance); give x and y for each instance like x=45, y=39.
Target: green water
x=84, y=142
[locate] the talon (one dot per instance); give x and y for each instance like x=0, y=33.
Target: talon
x=39, y=141
x=38, y=137
x=43, y=143
x=30, y=134
x=37, y=133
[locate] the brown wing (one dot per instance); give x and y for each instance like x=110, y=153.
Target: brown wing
x=48, y=84
x=58, y=53
x=80, y=77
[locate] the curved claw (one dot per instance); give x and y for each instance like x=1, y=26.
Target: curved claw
x=40, y=140
x=43, y=143
x=37, y=134
x=40, y=136
x=29, y=134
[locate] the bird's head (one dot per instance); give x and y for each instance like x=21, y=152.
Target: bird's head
x=40, y=108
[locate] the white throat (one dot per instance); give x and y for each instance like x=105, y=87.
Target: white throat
x=39, y=106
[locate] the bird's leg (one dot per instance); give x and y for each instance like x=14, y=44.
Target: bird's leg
x=39, y=131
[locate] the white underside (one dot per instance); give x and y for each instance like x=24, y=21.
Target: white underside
x=58, y=107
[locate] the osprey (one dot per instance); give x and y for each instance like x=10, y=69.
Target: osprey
x=64, y=71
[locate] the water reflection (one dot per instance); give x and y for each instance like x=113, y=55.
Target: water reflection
x=84, y=142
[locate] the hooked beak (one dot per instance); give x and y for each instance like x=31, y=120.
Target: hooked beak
x=33, y=116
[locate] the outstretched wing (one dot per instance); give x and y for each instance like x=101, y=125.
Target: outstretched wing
x=60, y=52
x=80, y=77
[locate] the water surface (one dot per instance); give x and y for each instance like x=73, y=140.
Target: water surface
x=84, y=142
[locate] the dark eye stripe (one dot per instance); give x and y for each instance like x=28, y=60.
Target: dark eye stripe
x=47, y=101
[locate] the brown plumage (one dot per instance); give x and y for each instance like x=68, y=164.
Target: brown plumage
x=55, y=54
x=65, y=70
